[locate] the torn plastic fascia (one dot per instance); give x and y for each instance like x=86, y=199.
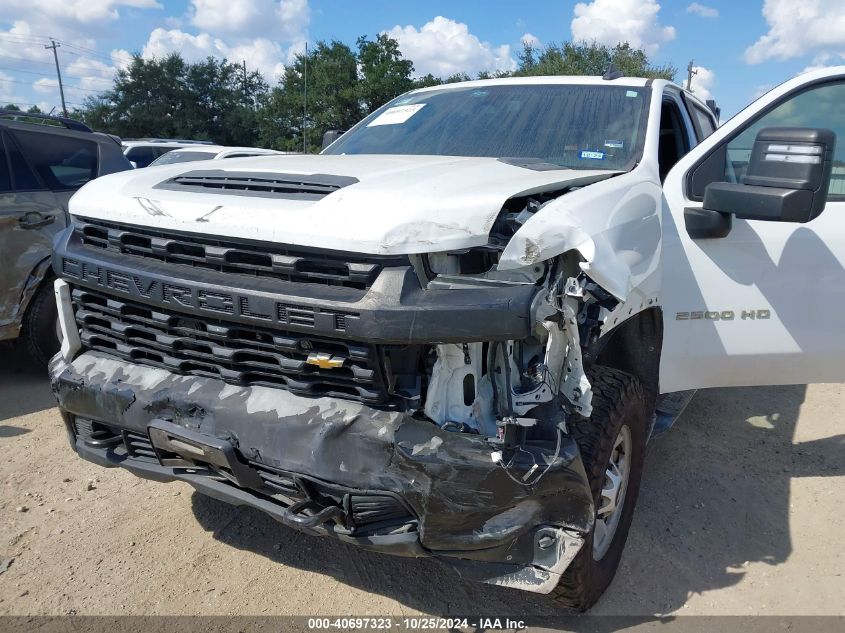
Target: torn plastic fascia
x=614, y=225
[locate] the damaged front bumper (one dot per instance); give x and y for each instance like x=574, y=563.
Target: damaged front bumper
x=377, y=478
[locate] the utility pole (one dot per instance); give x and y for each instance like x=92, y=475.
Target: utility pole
x=305, y=104
x=54, y=46
x=690, y=73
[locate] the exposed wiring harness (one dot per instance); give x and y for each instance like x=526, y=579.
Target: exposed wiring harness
x=497, y=457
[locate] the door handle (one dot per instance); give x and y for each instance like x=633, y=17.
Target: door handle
x=35, y=220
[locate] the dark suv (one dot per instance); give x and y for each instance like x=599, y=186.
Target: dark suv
x=43, y=161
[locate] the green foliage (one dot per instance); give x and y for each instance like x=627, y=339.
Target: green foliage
x=169, y=98
x=220, y=101
x=589, y=58
x=333, y=102
x=384, y=74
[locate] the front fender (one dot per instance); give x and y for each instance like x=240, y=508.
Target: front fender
x=12, y=329
x=613, y=224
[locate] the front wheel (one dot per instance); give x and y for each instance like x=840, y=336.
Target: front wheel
x=40, y=328
x=612, y=444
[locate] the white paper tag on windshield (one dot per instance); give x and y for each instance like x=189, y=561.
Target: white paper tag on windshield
x=396, y=115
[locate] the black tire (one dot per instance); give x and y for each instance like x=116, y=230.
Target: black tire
x=618, y=400
x=39, y=325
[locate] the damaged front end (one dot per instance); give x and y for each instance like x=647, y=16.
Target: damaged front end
x=411, y=405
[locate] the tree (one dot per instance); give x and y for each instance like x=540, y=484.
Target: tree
x=425, y=81
x=170, y=98
x=384, y=73
x=12, y=107
x=332, y=103
x=589, y=58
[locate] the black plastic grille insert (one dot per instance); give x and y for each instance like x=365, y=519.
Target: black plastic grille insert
x=237, y=354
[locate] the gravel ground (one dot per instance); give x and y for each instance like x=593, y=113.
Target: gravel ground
x=739, y=513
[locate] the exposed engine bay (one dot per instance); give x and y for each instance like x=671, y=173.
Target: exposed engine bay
x=517, y=391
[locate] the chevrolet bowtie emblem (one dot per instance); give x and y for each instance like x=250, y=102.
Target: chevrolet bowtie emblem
x=325, y=361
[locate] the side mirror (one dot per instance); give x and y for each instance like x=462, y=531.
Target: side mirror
x=134, y=164
x=786, y=181
x=331, y=136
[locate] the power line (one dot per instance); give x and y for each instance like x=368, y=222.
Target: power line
x=89, y=51
x=22, y=39
x=27, y=60
x=68, y=86
x=41, y=40
x=28, y=72
x=38, y=74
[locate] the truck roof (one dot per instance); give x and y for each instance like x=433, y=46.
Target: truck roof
x=634, y=82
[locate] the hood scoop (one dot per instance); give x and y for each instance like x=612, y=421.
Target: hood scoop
x=258, y=184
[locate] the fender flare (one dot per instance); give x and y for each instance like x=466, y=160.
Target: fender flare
x=34, y=280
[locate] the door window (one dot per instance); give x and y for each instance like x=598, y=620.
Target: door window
x=141, y=155
x=703, y=121
x=5, y=176
x=23, y=179
x=62, y=163
x=673, y=142
x=819, y=106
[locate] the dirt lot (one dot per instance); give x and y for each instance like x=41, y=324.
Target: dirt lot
x=740, y=513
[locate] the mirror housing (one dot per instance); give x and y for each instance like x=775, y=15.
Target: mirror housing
x=330, y=136
x=786, y=180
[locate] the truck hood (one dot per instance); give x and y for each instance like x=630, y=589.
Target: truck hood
x=386, y=204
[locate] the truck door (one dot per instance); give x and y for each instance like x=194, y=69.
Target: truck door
x=763, y=304
x=29, y=216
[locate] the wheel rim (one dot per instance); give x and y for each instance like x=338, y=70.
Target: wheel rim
x=612, y=499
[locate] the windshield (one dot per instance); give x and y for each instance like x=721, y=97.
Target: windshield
x=573, y=126
x=178, y=156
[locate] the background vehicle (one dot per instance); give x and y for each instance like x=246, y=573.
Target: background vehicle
x=143, y=151
x=448, y=335
x=43, y=161
x=209, y=152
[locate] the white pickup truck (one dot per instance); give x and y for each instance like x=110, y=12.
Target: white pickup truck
x=453, y=332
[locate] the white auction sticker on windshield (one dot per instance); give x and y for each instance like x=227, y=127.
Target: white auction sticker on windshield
x=396, y=115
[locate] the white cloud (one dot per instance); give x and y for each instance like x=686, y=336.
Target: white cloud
x=267, y=34
x=703, y=10
x=121, y=58
x=75, y=24
x=8, y=93
x=529, y=39
x=82, y=12
x=444, y=47
x=613, y=21
x=798, y=28
x=274, y=19
x=702, y=82
x=260, y=54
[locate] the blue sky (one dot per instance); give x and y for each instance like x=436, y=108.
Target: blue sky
x=741, y=49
